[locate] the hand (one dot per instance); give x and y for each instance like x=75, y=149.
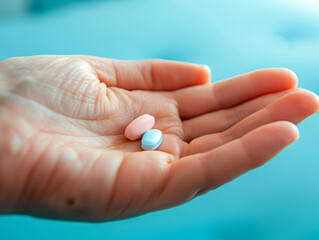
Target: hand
x=63, y=154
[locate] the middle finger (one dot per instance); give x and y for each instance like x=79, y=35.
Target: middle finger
x=293, y=107
x=221, y=120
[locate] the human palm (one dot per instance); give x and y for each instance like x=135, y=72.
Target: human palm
x=62, y=144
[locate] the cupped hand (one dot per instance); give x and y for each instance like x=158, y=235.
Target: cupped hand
x=63, y=153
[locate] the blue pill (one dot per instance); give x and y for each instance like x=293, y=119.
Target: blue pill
x=152, y=139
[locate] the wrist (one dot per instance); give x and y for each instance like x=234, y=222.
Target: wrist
x=7, y=195
x=8, y=174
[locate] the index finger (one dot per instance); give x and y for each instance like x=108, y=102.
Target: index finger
x=197, y=100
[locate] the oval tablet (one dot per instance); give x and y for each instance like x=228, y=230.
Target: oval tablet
x=152, y=139
x=139, y=126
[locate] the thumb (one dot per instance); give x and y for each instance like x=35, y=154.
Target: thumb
x=148, y=74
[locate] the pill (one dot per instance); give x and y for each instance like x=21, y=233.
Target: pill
x=139, y=126
x=152, y=139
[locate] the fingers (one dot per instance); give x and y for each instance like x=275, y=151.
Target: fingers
x=293, y=107
x=195, y=173
x=221, y=120
x=198, y=100
x=149, y=74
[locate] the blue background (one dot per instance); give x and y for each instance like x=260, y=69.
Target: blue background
x=277, y=201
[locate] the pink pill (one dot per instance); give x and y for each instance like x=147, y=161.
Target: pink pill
x=139, y=126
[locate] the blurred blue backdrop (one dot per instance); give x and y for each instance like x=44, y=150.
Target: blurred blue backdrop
x=277, y=201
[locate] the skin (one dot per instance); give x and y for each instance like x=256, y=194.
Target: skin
x=63, y=154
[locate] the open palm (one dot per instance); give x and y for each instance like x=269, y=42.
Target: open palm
x=62, y=144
